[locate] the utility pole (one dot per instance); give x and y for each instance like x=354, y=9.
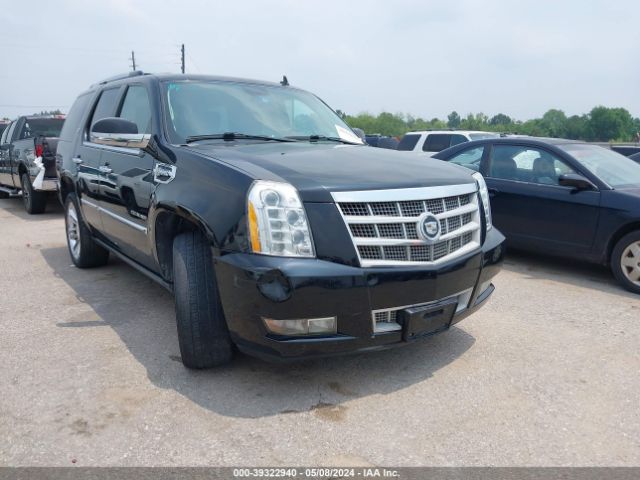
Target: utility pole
x=182, y=55
x=133, y=60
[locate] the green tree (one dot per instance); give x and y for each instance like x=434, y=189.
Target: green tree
x=554, y=123
x=49, y=112
x=500, y=120
x=576, y=127
x=453, y=120
x=607, y=124
x=479, y=121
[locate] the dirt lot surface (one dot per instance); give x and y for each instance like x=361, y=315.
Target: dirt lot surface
x=548, y=373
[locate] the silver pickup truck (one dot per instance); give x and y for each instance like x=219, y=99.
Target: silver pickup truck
x=27, y=159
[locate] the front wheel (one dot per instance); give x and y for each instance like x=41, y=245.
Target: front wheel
x=34, y=201
x=202, y=329
x=625, y=261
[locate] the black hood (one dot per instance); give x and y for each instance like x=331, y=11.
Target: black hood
x=315, y=169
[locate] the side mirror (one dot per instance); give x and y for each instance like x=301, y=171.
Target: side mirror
x=118, y=132
x=576, y=181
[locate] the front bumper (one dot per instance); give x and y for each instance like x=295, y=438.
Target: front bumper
x=255, y=286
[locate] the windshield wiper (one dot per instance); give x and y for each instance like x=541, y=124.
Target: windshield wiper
x=229, y=136
x=315, y=138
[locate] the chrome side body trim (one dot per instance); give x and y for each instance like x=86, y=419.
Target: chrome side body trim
x=123, y=220
x=131, y=151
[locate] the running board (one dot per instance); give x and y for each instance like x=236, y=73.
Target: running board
x=132, y=263
x=12, y=192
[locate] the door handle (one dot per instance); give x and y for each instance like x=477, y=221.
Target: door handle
x=104, y=169
x=77, y=160
x=493, y=192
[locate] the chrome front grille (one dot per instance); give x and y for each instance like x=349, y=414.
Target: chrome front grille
x=384, y=224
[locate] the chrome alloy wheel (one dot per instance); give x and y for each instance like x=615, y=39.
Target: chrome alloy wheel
x=630, y=262
x=73, y=231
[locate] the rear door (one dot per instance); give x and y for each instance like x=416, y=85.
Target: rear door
x=5, y=155
x=531, y=208
x=127, y=183
x=89, y=156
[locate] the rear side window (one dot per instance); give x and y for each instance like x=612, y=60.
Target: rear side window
x=457, y=139
x=76, y=114
x=409, y=142
x=10, y=131
x=106, y=106
x=437, y=142
x=48, y=127
x=5, y=131
x=136, y=108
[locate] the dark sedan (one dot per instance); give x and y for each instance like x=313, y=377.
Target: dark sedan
x=562, y=197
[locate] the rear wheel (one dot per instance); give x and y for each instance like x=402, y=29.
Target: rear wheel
x=84, y=251
x=34, y=201
x=202, y=329
x=625, y=261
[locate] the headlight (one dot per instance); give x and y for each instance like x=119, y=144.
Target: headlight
x=484, y=196
x=277, y=221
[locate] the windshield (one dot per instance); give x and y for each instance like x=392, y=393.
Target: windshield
x=210, y=107
x=614, y=169
x=482, y=136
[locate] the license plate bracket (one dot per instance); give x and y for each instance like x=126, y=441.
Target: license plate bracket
x=425, y=320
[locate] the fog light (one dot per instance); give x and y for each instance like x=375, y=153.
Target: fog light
x=303, y=326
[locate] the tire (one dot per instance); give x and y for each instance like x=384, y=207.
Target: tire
x=625, y=261
x=84, y=251
x=34, y=201
x=202, y=329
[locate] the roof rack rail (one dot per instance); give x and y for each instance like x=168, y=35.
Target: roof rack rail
x=122, y=76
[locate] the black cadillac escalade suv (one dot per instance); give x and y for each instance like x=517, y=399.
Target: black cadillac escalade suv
x=278, y=231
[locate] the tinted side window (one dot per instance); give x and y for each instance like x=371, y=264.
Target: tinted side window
x=10, y=131
x=457, y=139
x=48, y=127
x=136, y=108
x=5, y=131
x=408, y=142
x=106, y=106
x=436, y=142
x=526, y=164
x=469, y=158
x=75, y=116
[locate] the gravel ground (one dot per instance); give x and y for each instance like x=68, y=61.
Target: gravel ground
x=548, y=373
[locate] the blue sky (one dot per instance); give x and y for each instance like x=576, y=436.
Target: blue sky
x=426, y=58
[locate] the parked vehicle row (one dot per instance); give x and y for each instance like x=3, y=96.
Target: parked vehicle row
x=278, y=231
x=562, y=197
x=27, y=159
x=430, y=142
x=282, y=234
x=381, y=141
